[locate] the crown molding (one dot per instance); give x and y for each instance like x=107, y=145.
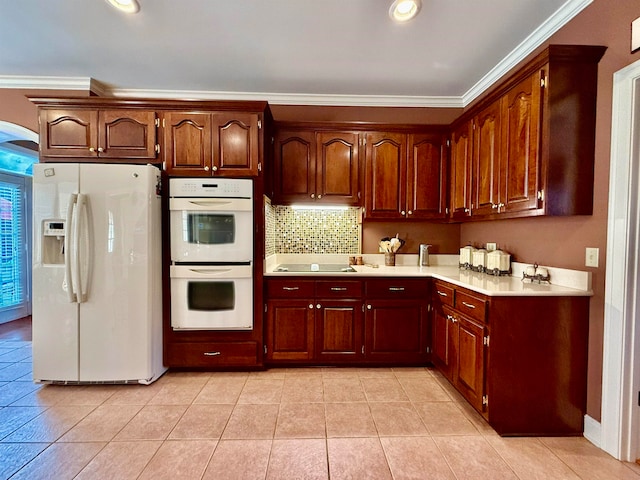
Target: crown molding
x=554, y=23
x=296, y=99
x=44, y=83
x=563, y=15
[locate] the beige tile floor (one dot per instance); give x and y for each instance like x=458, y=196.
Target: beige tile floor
x=279, y=424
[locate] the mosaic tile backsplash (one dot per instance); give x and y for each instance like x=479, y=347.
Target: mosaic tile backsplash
x=312, y=231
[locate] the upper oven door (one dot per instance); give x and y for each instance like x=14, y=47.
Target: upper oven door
x=211, y=230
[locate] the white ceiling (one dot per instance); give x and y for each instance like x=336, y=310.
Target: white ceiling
x=285, y=51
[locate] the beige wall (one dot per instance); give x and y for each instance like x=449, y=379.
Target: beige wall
x=553, y=241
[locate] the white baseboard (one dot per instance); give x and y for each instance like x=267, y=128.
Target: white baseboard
x=593, y=431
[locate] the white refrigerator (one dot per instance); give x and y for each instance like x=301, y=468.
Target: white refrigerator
x=97, y=281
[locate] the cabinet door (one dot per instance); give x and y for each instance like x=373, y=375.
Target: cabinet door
x=235, y=144
x=444, y=344
x=461, y=172
x=68, y=133
x=520, y=163
x=338, y=330
x=127, y=134
x=386, y=173
x=295, y=167
x=187, y=144
x=290, y=329
x=426, y=177
x=471, y=354
x=486, y=161
x=337, y=168
x=395, y=331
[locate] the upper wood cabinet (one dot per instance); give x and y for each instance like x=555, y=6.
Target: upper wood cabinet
x=533, y=140
x=205, y=144
x=92, y=133
x=316, y=166
x=461, y=146
x=405, y=176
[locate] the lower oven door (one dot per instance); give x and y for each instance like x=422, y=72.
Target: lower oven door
x=211, y=297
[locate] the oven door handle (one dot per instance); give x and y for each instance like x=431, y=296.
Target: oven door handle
x=210, y=271
x=211, y=204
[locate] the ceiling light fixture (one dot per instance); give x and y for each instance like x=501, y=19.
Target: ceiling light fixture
x=404, y=10
x=127, y=6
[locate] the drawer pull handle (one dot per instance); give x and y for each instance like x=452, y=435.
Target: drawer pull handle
x=468, y=305
x=290, y=289
x=212, y=354
x=338, y=289
x=442, y=294
x=396, y=289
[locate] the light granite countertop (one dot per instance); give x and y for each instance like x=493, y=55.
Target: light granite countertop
x=564, y=282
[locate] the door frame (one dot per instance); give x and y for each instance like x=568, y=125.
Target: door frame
x=620, y=420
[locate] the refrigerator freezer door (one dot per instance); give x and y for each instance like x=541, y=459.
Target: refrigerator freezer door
x=120, y=261
x=54, y=315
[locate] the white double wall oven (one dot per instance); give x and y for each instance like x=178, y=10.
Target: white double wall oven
x=211, y=243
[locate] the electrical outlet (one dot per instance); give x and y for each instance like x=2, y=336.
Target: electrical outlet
x=492, y=246
x=592, y=255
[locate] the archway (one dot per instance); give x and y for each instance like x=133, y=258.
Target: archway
x=18, y=152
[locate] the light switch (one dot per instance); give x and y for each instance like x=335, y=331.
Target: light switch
x=592, y=256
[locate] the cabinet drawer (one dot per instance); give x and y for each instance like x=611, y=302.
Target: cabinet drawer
x=212, y=354
x=471, y=305
x=400, y=288
x=444, y=293
x=282, y=288
x=338, y=289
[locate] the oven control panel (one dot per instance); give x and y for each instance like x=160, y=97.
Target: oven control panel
x=211, y=187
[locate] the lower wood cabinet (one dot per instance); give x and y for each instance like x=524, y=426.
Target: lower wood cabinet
x=519, y=361
x=212, y=354
x=337, y=321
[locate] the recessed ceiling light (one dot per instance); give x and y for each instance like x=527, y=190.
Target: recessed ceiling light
x=404, y=10
x=128, y=6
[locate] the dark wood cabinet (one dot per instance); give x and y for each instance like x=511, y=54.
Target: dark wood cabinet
x=519, y=361
x=396, y=320
x=385, y=175
x=211, y=144
x=533, y=140
x=520, y=161
x=460, y=183
x=460, y=340
x=338, y=330
x=326, y=321
x=405, y=176
x=118, y=134
x=486, y=155
x=338, y=178
x=290, y=327
x=317, y=167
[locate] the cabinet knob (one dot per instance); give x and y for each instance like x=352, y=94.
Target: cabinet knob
x=369, y=307
x=311, y=305
x=318, y=306
x=214, y=168
x=91, y=149
x=313, y=195
x=206, y=168
x=320, y=196
x=500, y=205
x=494, y=205
x=410, y=212
x=100, y=149
x=403, y=213
x=466, y=210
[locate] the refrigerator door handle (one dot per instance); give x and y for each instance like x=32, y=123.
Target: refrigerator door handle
x=73, y=198
x=80, y=216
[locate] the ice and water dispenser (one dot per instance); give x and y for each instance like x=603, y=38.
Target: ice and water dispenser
x=53, y=233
